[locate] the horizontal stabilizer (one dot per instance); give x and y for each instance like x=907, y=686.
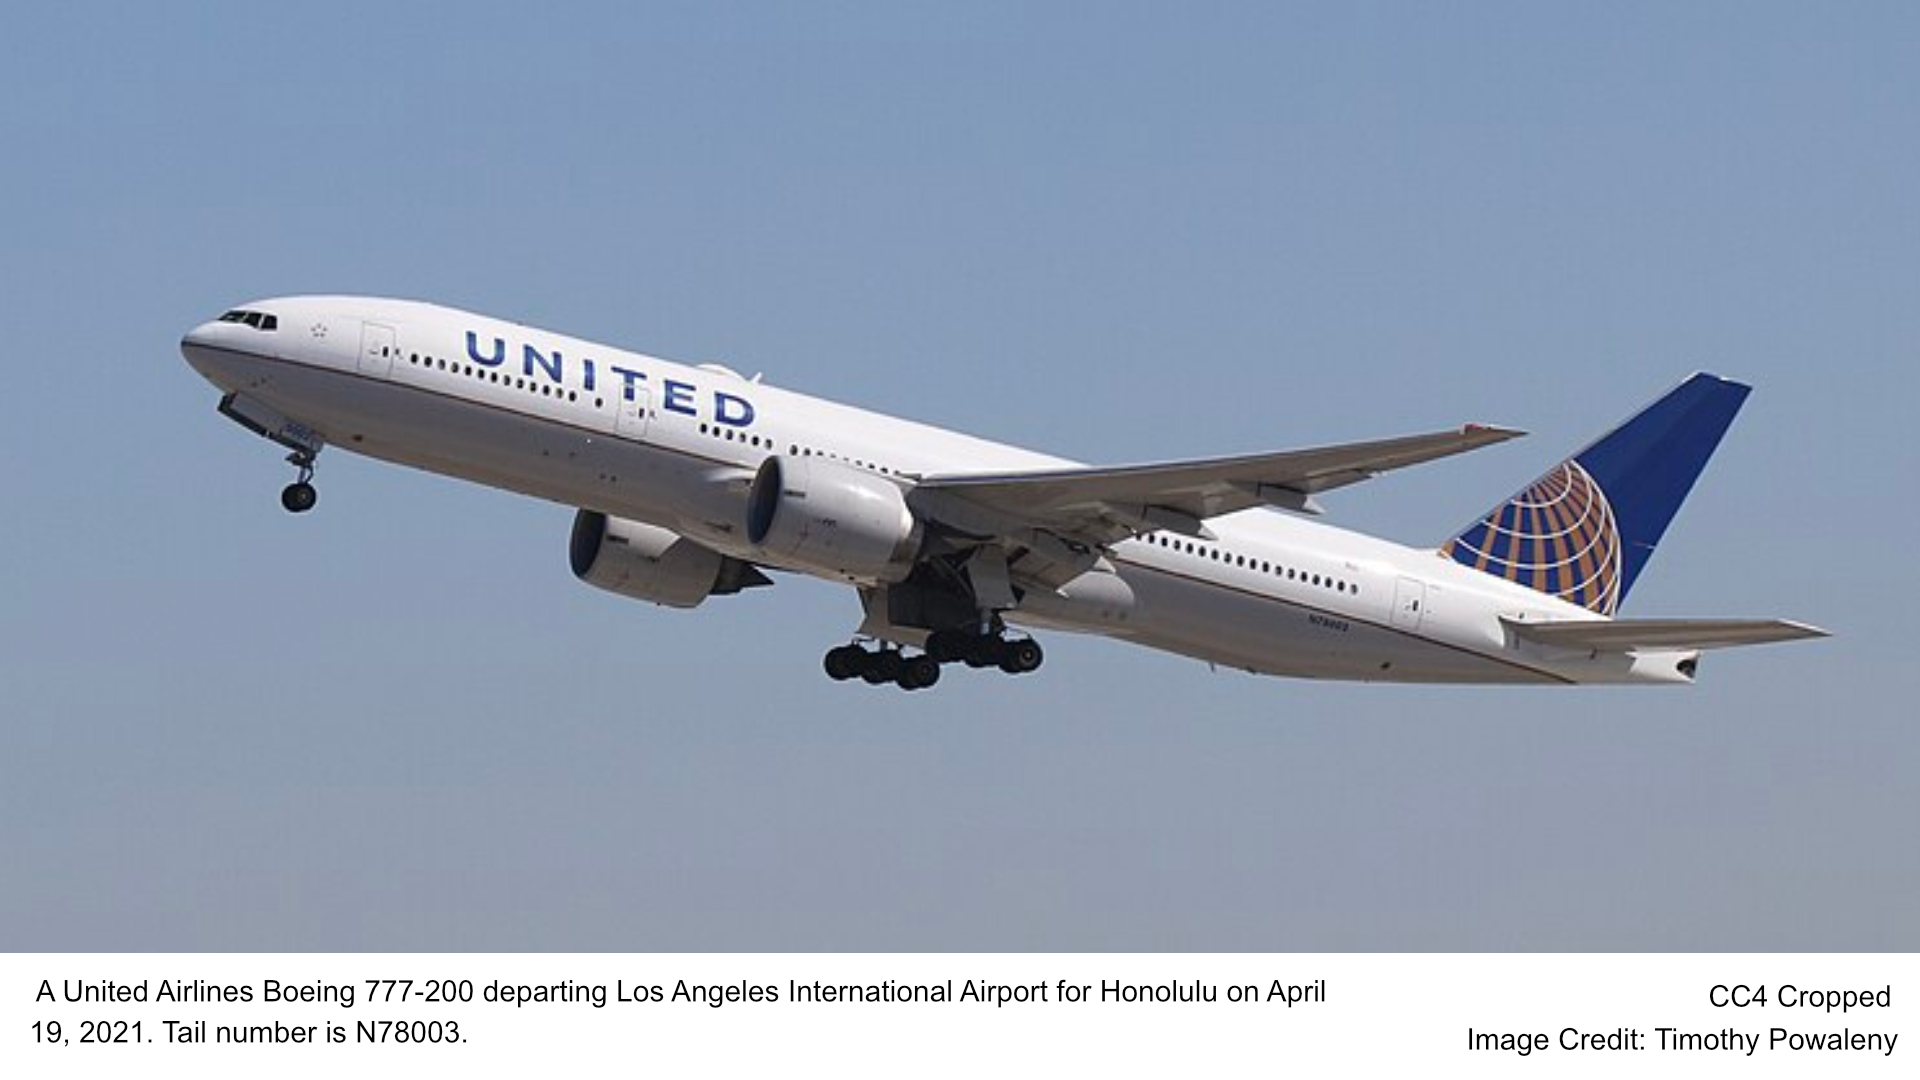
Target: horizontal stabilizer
x=1627, y=635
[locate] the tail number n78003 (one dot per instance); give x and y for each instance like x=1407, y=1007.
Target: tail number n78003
x=407, y=1031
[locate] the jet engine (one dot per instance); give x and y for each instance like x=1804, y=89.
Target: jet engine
x=832, y=518
x=646, y=562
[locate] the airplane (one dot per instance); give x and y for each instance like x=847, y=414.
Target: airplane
x=691, y=482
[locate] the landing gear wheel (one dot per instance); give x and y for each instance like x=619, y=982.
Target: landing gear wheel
x=1020, y=657
x=918, y=673
x=298, y=497
x=845, y=662
x=984, y=652
x=881, y=667
x=946, y=646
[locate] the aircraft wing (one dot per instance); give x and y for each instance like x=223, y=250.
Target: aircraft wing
x=1105, y=504
x=1623, y=635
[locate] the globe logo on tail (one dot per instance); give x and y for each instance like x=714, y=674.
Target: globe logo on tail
x=1558, y=537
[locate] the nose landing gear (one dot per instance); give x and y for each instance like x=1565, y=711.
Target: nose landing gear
x=300, y=496
x=304, y=443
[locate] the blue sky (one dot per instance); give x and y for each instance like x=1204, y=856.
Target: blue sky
x=1116, y=232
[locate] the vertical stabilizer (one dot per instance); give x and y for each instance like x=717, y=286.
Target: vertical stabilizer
x=1584, y=531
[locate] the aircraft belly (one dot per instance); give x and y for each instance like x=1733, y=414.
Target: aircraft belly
x=1269, y=635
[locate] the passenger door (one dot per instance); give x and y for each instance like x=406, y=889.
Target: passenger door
x=1409, y=602
x=377, y=346
x=630, y=417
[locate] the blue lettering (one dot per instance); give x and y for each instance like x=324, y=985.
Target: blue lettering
x=533, y=358
x=586, y=374
x=499, y=352
x=730, y=410
x=627, y=377
x=679, y=398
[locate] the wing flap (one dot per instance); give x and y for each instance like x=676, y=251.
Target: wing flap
x=1626, y=635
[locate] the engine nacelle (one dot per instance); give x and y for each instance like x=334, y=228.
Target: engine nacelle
x=832, y=518
x=646, y=562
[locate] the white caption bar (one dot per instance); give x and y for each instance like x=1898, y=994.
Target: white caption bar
x=956, y=1014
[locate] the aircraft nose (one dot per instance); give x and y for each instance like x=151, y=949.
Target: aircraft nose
x=198, y=336
x=197, y=346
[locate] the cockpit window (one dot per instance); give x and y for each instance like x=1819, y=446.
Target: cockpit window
x=259, y=320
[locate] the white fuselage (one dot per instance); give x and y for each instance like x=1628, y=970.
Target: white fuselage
x=634, y=436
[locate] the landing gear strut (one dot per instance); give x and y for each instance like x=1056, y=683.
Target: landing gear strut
x=1015, y=656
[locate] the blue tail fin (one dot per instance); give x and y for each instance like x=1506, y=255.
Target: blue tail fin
x=1584, y=531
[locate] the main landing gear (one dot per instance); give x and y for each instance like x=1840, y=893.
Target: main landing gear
x=883, y=665
x=1015, y=656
